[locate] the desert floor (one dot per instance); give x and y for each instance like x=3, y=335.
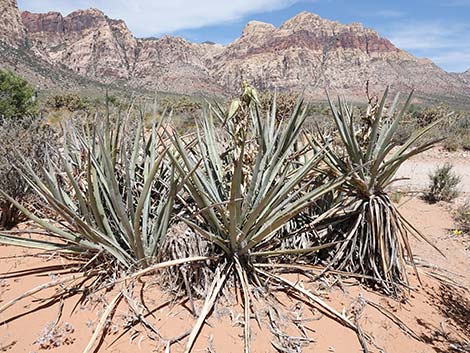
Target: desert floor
x=434, y=318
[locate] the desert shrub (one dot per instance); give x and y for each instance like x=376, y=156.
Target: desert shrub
x=248, y=186
x=431, y=114
x=443, y=184
x=116, y=194
x=142, y=201
x=185, y=110
x=181, y=104
x=458, y=132
x=452, y=144
x=70, y=102
x=462, y=218
x=404, y=131
x=465, y=141
x=455, y=125
x=285, y=102
x=17, y=96
x=112, y=189
x=28, y=141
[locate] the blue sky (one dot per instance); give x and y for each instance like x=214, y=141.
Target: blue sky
x=439, y=30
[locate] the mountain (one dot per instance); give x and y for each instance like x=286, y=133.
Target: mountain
x=93, y=45
x=306, y=53
x=16, y=55
x=12, y=31
x=313, y=53
x=464, y=77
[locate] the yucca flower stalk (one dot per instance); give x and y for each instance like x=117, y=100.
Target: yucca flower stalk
x=244, y=186
x=376, y=233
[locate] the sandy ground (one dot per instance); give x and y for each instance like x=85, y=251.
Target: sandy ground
x=438, y=315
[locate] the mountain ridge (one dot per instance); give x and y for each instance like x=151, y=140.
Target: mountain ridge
x=306, y=53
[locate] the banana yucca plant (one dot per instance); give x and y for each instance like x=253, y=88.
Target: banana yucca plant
x=243, y=190
x=113, y=193
x=376, y=233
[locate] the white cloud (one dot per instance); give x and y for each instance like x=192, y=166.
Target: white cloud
x=456, y=61
x=426, y=35
x=446, y=43
x=155, y=17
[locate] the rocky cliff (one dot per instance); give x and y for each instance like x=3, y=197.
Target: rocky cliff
x=91, y=44
x=306, y=53
x=464, y=77
x=12, y=31
x=313, y=53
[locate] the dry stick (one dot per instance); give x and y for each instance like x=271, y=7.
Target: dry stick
x=102, y=323
x=166, y=264
x=175, y=339
x=59, y=269
x=317, y=300
x=37, y=289
x=141, y=318
x=188, y=290
x=312, y=268
x=145, y=316
x=247, y=301
x=394, y=319
x=208, y=305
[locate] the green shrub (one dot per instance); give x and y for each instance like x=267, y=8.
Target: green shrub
x=443, y=184
x=17, y=96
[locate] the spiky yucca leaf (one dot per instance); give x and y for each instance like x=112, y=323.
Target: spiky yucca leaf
x=246, y=191
x=244, y=184
x=376, y=233
x=114, y=191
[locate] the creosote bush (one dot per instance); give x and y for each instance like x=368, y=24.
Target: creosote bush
x=68, y=101
x=17, y=97
x=443, y=184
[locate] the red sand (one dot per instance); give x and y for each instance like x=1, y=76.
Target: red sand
x=440, y=317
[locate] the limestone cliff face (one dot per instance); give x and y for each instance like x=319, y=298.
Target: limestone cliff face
x=12, y=31
x=86, y=41
x=311, y=53
x=94, y=45
x=306, y=53
x=464, y=77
